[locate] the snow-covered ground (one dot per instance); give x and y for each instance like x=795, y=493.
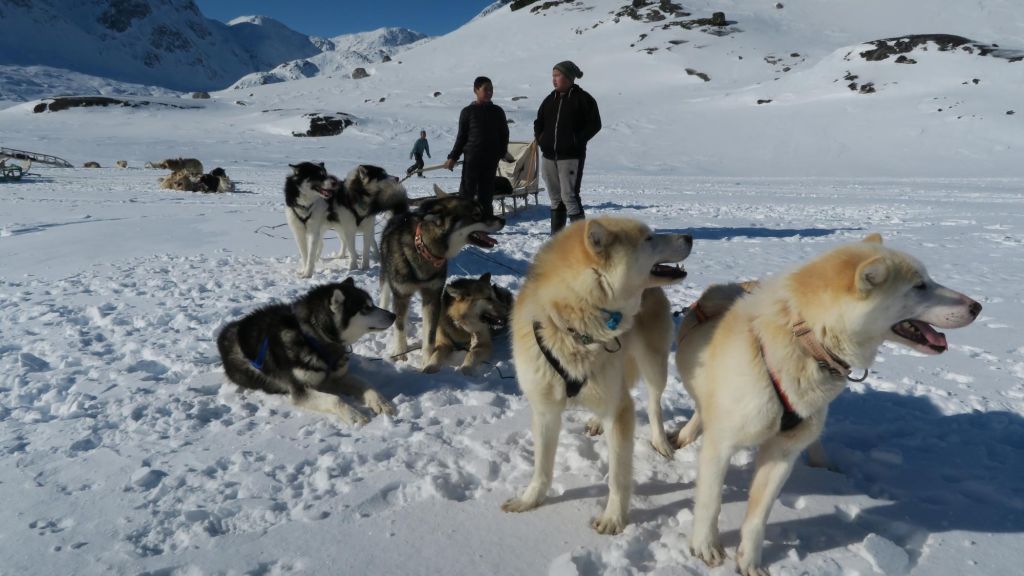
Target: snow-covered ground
x=126, y=453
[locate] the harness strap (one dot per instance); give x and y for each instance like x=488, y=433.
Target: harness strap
x=422, y=250
x=826, y=360
x=261, y=356
x=572, y=385
x=790, y=418
x=301, y=219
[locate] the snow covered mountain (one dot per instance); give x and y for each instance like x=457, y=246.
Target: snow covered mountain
x=805, y=89
x=166, y=43
x=341, y=55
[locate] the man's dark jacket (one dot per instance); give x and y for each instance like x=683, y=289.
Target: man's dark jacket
x=565, y=123
x=483, y=134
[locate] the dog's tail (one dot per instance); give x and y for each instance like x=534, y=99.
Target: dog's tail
x=716, y=300
x=240, y=369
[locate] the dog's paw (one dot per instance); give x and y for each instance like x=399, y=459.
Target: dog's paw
x=353, y=417
x=594, y=426
x=747, y=566
x=662, y=446
x=467, y=370
x=608, y=524
x=519, y=505
x=685, y=438
x=708, y=550
x=431, y=368
x=380, y=405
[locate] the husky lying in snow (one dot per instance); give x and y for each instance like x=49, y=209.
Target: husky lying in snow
x=763, y=368
x=302, y=350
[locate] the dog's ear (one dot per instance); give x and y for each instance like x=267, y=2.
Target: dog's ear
x=337, y=301
x=321, y=164
x=485, y=277
x=439, y=192
x=350, y=281
x=873, y=238
x=599, y=238
x=457, y=290
x=871, y=274
x=295, y=168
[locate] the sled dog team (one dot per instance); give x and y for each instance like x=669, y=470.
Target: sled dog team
x=762, y=360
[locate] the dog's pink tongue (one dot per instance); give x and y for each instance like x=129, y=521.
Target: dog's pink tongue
x=934, y=337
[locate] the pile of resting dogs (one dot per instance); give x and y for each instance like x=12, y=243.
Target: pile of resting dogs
x=761, y=360
x=187, y=176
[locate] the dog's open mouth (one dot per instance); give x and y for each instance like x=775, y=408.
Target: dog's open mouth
x=482, y=240
x=326, y=193
x=668, y=271
x=922, y=336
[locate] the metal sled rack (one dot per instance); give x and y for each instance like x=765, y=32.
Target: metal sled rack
x=34, y=157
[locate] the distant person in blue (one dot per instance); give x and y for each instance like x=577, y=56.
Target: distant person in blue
x=566, y=120
x=418, y=149
x=483, y=138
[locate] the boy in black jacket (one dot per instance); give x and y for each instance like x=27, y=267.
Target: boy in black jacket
x=567, y=119
x=483, y=138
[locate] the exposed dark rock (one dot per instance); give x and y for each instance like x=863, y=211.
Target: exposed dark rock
x=718, y=19
x=887, y=47
x=387, y=58
x=904, y=60
x=517, y=4
x=436, y=94
x=201, y=95
x=64, y=102
x=360, y=73
x=382, y=98
x=867, y=88
x=1010, y=112
x=326, y=125
x=514, y=98
x=779, y=6
x=168, y=39
x=852, y=86
x=119, y=14
x=764, y=101
x=794, y=55
x=701, y=75
x=975, y=81
x=509, y=121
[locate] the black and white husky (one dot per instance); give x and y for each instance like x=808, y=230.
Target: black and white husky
x=307, y=196
x=366, y=192
x=302, y=350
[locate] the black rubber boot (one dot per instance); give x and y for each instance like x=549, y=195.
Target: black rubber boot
x=557, y=219
x=576, y=217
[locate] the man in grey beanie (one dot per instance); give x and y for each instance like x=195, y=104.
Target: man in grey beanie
x=566, y=120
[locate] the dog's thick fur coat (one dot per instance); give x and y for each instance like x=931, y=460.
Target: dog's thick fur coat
x=592, y=298
x=472, y=310
x=852, y=299
x=301, y=349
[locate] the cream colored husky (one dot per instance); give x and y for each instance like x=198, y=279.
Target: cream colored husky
x=764, y=371
x=589, y=317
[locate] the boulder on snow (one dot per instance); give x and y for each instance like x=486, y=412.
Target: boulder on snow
x=360, y=73
x=201, y=95
x=326, y=125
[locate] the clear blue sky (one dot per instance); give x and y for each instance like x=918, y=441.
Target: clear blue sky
x=334, y=17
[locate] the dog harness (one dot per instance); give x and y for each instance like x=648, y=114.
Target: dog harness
x=321, y=351
x=790, y=419
x=422, y=250
x=573, y=385
x=261, y=356
x=306, y=208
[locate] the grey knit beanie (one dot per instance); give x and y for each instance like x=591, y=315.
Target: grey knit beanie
x=569, y=69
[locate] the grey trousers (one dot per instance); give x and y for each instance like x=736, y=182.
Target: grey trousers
x=562, y=179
